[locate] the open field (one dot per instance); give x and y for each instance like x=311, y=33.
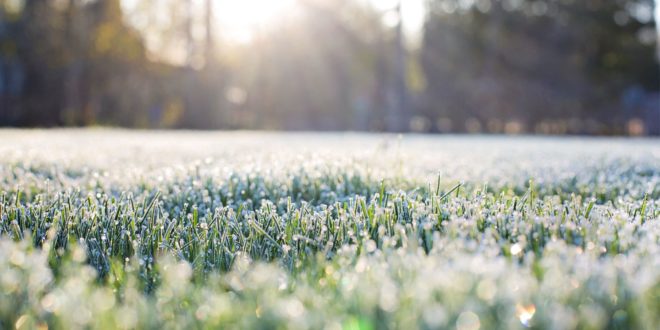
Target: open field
x=125, y=229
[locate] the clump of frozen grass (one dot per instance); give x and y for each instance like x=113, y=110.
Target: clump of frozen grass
x=273, y=235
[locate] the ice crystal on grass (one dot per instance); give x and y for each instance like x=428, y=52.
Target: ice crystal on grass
x=304, y=231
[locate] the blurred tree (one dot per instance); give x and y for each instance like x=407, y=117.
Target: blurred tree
x=117, y=67
x=78, y=60
x=42, y=52
x=319, y=70
x=486, y=65
x=204, y=77
x=538, y=65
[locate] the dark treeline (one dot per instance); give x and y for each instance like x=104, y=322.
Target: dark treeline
x=513, y=66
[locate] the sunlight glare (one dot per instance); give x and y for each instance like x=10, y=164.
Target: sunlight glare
x=240, y=20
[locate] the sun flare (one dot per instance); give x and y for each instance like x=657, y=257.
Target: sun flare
x=240, y=20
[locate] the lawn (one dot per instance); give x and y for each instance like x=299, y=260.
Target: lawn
x=127, y=229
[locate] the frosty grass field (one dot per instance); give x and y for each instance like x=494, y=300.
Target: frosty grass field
x=121, y=229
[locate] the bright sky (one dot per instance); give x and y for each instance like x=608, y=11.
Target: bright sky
x=657, y=17
x=238, y=19
x=412, y=12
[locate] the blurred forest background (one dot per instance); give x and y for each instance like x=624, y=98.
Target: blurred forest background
x=489, y=66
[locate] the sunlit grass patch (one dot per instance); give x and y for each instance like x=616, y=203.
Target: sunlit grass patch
x=367, y=237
